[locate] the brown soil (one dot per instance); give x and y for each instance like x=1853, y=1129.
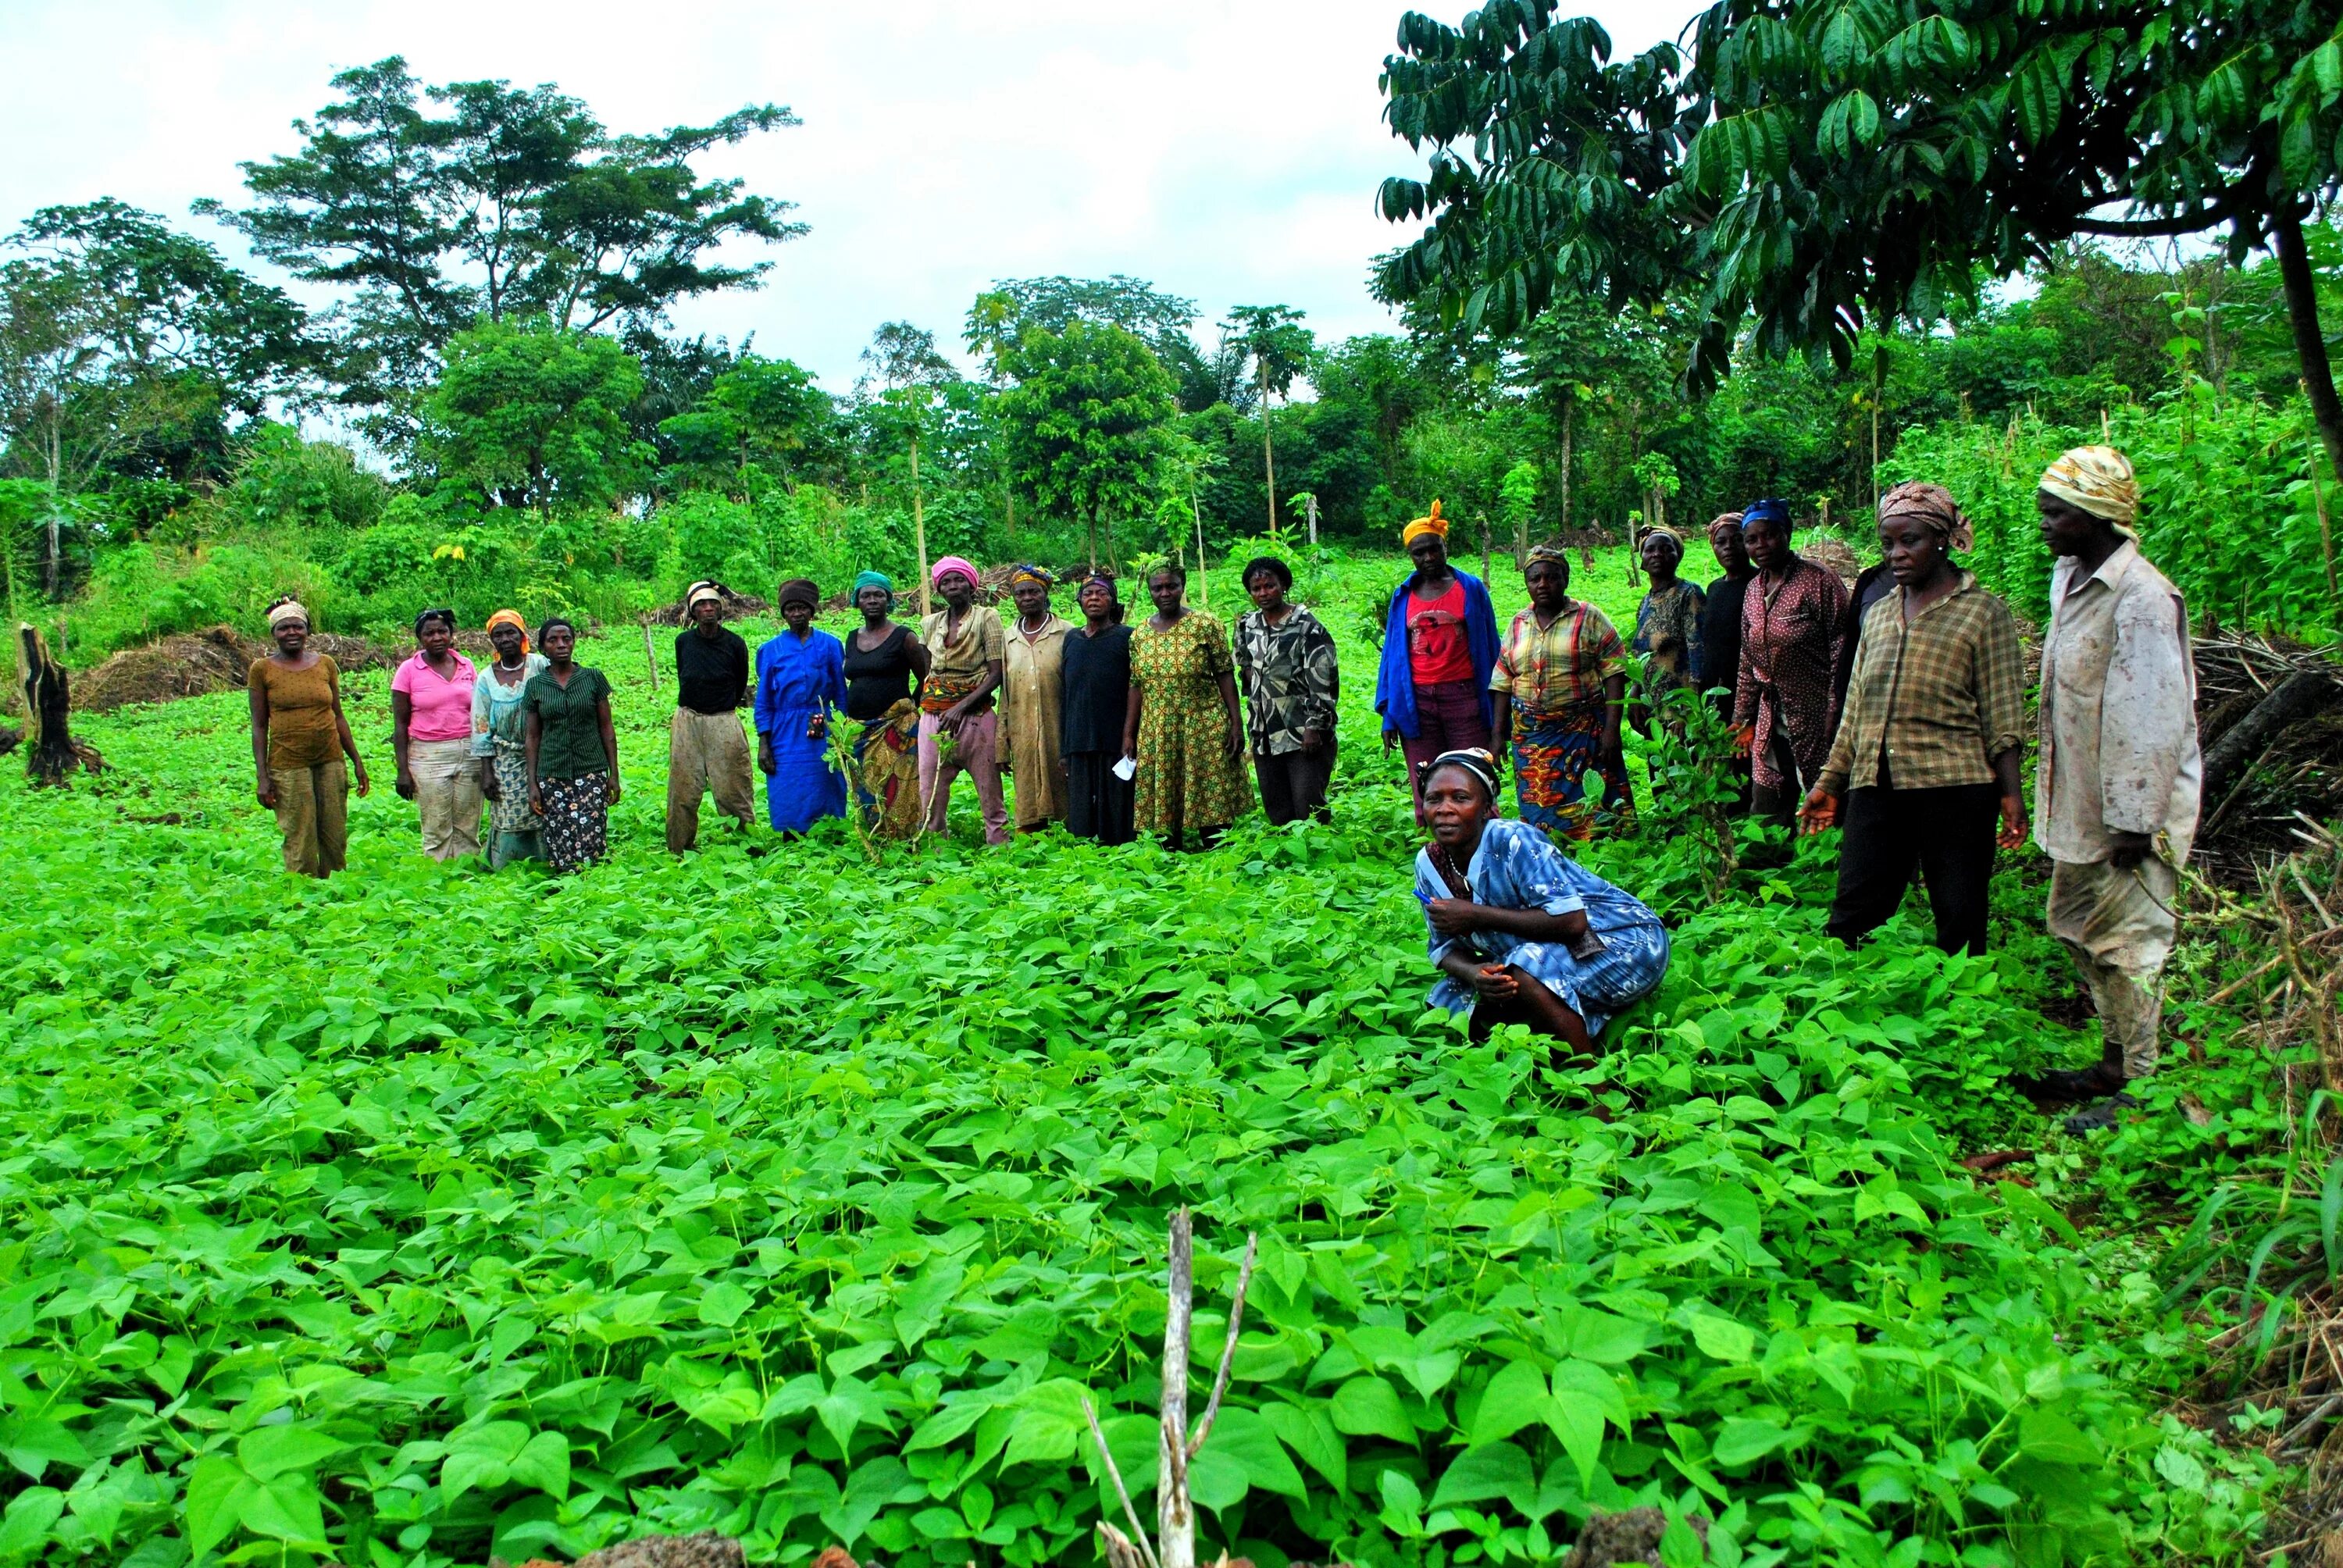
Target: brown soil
x=196, y=663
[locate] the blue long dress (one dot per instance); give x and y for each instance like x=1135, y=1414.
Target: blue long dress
x=1517, y=867
x=796, y=680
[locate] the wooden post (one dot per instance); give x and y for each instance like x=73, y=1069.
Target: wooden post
x=1310, y=503
x=51, y=753
x=1268, y=456
x=1485, y=547
x=1175, y=1514
x=1203, y=583
x=650, y=655
x=919, y=522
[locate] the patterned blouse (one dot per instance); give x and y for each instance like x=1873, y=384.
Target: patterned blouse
x=1667, y=635
x=1560, y=666
x=1790, y=633
x=1288, y=674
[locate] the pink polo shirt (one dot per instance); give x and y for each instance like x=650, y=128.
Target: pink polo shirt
x=442, y=708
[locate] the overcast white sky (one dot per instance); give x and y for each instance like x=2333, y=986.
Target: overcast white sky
x=1226, y=150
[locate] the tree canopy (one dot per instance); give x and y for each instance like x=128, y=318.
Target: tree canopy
x=1089, y=421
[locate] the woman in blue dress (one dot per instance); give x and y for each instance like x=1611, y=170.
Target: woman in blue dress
x=1521, y=932
x=800, y=680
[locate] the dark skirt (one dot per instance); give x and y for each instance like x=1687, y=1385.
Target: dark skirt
x=1098, y=804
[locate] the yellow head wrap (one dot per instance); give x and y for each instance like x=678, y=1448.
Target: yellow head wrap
x=1432, y=524
x=2097, y=480
x=510, y=618
x=288, y=610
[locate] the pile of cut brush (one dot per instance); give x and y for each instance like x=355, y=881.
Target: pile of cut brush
x=2270, y=718
x=193, y=664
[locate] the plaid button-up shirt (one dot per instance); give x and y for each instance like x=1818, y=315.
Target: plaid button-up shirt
x=1939, y=696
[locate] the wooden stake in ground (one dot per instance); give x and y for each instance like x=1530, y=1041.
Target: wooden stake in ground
x=51, y=753
x=920, y=523
x=1203, y=583
x=650, y=655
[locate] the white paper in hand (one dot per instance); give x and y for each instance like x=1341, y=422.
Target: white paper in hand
x=1127, y=770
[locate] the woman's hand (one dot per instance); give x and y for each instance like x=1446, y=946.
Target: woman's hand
x=818, y=728
x=1819, y=812
x=1316, y=740
x=366, y=784
x=265, y=791
x=2013, y=823
x=616, y=789
x=953, y=717
x=536, y=798
x=765, y=763
x=1453, y=917
x=489, y=788
x=1744, y=739
x=1495, y=982
x=1391, y=739
x=1235, y=740
x=404, y=783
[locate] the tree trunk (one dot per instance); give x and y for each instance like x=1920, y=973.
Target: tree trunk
x=51, y=752
x=51, y=573
x=1569, y=415
x=2310, y=340
x=1268, y=456
x=919, y=525
x=1094, y=512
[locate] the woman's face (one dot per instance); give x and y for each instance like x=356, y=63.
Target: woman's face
x=1098, y=603
x=1166, y=588
x=1915, y=551
x=1033, y=599
x=1429, y=555
x=560, y=642
x=1732, y=554
x=2066, y=530
x=958, y=588
x=1660, y=556
x=435, y=638
x=797, y=615
x=1768, y=542
x=292, y=637
x=1549, y=585
x=874, y=603
x=506, y=639
x=1268, y=592
x=1456, y=804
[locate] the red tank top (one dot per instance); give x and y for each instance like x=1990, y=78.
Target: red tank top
x=1437, y=649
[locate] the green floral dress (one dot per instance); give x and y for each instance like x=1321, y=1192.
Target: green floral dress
x=1187, y=780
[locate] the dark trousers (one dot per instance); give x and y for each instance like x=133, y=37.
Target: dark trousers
x=1447, y=718
x=1946, y=834
x=1098, y=804
x=1293, y=784
x=1778, y=804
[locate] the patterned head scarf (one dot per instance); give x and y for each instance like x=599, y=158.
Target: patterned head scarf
x=1474, y=760
x=952, y=564
x=800, y=591
x=1724, y=523
x=2097, y=480
x=289, y=611
x=1933, y=505
x=1547, y=553
x=1432, y=525
x=700, y=590
x=1025, y=572
x=510, y=618
x=879, y=580
x=1662, y=531
x=1771, y=510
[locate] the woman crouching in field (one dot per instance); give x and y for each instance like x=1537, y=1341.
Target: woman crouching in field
x=1523, y=933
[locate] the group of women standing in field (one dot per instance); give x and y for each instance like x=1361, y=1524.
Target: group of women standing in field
x=1107, y=730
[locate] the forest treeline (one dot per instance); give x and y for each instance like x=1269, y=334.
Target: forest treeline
x=521, y=423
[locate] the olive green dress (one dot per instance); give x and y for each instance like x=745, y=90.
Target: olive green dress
x=1187, y=780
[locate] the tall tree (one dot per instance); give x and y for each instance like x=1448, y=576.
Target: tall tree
x=910, y=373
x=1158, y=319
x=1273, y=339
x=1089, y=421
x=760, y=417
x=1811, y=166
x=512, y=204
x=533, y=417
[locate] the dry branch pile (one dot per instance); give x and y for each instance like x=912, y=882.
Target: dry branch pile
x=2285, y=705
x=196, y=663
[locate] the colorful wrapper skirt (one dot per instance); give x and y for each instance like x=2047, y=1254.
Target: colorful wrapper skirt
x=1552, y=752
x=886, y=772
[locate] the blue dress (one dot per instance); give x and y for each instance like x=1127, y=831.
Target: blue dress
x=797, y=679
x=1517, y=867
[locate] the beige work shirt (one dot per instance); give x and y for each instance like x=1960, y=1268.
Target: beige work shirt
x=2119, y=712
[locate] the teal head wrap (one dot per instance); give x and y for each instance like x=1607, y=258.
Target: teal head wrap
x=874, y=580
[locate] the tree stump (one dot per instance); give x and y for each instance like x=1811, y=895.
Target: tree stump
x=51, y=751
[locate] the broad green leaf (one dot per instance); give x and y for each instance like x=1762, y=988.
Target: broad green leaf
x=2047, y=1435
x=32, y=1446
x=1723, y=1338
x=544, y=1463
x=1218, y=1481
x=270, y=1452
x=1246, y=1437
x=1487, y=1470
x=870, y=1488
x=1740, y=1441
x=216, y=1491
x=30, y=1514
x=1516, y=1398
x=1310, y=1432
x=285, y=1509
x=1575, y=1417
x=723, y=1304
x=1368, y=1407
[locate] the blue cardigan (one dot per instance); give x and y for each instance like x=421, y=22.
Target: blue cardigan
x=1395, y=680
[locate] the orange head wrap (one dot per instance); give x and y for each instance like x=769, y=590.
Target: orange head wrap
x=509, y=618
x=1432, y=524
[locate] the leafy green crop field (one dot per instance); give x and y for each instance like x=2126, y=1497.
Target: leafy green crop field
x=425, y=1215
